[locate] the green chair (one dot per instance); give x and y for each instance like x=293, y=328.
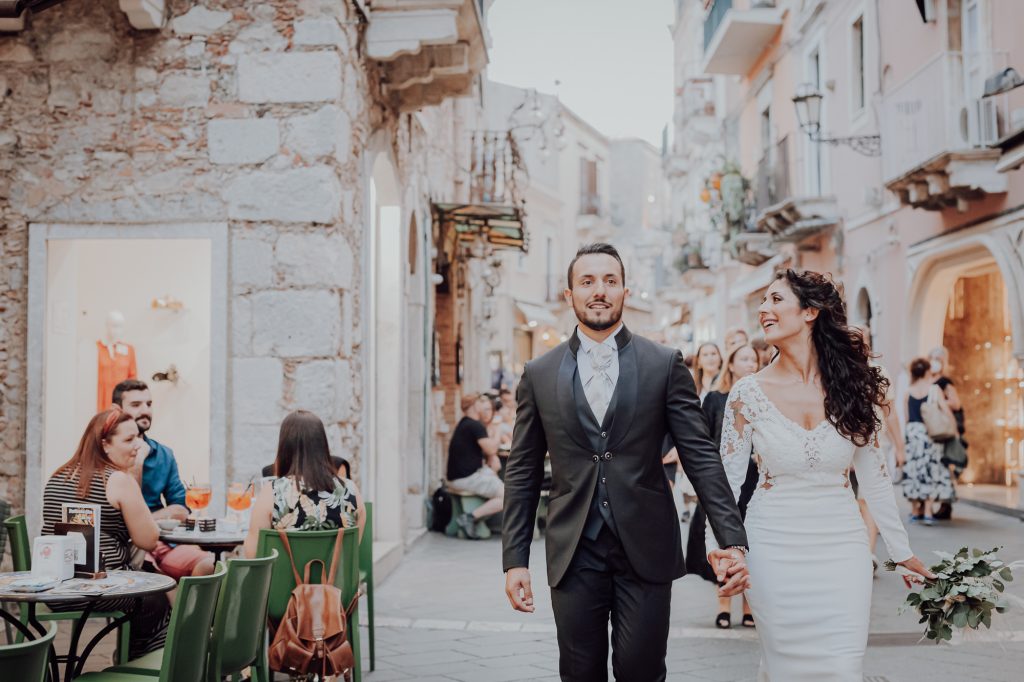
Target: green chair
x=366, y=576
x=21, y=554
x=239, y=625
x=5, y=510
x=188, y=637
x=26, y=662
x=308, y=545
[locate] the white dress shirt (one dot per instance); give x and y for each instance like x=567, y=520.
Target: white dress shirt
x=583, y=358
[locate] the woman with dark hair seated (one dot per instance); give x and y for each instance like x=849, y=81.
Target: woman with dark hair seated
x=98, y=473
x=307, y=494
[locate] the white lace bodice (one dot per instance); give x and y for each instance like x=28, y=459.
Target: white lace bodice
x=791, y=459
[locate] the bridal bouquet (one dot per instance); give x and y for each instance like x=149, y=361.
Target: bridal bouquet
x=967, y=588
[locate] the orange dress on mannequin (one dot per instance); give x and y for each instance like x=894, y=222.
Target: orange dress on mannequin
x=112, y=371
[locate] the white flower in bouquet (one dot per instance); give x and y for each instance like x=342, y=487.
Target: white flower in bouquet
x=968, y=586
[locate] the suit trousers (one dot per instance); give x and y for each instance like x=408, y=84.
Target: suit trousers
x=600, y=583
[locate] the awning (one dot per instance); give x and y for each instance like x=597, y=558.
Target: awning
x=500, y=225
x=537, y=314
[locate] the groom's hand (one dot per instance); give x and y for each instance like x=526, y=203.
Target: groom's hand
x=518, y=590
x=730, y=568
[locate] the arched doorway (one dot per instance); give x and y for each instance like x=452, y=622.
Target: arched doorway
x=383, y=319
x=963, y=298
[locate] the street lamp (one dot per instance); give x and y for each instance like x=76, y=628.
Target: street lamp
x=808, y=113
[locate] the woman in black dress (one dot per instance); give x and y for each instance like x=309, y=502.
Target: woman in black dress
x=741, y=362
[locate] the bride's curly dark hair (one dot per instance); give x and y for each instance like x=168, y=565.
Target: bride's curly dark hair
x=853, y=387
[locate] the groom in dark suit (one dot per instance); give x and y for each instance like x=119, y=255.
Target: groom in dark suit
x=601, y=404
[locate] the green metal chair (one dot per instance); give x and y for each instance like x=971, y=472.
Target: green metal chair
x=21, y=554
x=239, y=626
x=5, y=511
x=26, y=662
x=366, y=576
x=308, y=545
x=188, y=636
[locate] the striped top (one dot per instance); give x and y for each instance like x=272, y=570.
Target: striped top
x=115, y=542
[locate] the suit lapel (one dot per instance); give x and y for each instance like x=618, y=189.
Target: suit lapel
x=623, y=403
x=566, y=395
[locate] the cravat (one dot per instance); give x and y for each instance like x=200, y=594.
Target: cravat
x=599, y=388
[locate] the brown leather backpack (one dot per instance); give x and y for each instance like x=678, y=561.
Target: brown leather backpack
x=313, y=634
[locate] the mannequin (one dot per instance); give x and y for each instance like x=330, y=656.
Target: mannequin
x=116, y=360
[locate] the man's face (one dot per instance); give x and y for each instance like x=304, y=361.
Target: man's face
x=139, y=406
x=485, y=411
x=597, y=292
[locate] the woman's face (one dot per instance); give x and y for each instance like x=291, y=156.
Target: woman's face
x=744, y=363
x=780, y=314
x=709, y=360
x=122, y=446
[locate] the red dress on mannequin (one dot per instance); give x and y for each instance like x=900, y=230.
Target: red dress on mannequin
x=112, y=370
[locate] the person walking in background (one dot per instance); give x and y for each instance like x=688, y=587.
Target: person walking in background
x=925, y=478
x=734, y=338
x=307, y=493
x=473, y=463
x=708, y=363
x=764, y=352
x=100, y=473
x=741, y=362
x=939, y=366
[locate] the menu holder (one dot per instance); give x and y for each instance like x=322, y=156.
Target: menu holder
x=87, y=558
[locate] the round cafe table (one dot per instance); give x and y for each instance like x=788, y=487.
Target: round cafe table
x=216, y=541
x=117, y=584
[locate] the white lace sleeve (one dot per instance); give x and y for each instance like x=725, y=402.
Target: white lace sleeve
x=876, y=488
x=736, y=447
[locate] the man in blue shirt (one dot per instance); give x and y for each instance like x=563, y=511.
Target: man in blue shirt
x=157, y=472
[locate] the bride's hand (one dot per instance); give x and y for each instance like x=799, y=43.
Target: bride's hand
x=916, y=566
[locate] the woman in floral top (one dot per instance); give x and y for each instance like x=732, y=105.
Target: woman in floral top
x=309, y=495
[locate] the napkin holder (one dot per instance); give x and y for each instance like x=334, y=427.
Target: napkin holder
x=207, y=525
x=53, y=556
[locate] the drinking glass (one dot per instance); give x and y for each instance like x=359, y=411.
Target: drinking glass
x=197, y=497
x=239, y=499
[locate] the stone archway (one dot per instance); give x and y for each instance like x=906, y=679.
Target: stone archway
x=966, y=295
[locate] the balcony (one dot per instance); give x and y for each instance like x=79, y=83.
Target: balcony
x=736, y=33
x=1009, y=105
x=936, y=134
x=785, y=217
x=430, y=50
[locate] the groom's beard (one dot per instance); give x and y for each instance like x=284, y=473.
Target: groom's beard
x=591, y=320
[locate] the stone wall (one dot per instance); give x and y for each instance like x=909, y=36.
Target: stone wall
x=251, y=112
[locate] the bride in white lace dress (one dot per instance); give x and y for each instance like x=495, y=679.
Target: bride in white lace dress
x=808, y=418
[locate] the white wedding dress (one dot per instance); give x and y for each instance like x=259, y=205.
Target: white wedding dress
x=810, y=566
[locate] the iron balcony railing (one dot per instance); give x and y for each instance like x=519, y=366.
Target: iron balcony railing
x=494, y=164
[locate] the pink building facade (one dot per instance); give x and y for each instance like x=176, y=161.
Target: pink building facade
x=917, y=207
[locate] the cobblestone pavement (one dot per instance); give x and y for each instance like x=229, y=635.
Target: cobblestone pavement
x=443, y=615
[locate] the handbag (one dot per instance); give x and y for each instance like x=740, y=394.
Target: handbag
x=938, y=420
x=313, y=635
x=954, y=452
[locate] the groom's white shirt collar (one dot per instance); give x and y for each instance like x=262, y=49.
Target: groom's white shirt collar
x=583, y=355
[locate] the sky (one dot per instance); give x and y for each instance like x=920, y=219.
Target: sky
x=613, y=58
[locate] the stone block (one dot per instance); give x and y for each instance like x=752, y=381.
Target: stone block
x=242, y=140
x=296, y=323
x=184, y=89
x=253, y=446
x=199, y=21
x=241, y=326
x=257, y=386
x=252, y=262
x=14, y=51
x=258, y=37
x=317, y=32
x=79, y=44
x=298, y=195
x=289, y=77
x=322, y=133
x=315, y=388
x=316, y=259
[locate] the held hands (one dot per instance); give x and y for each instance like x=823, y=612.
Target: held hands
x=730, y=567
x=518, y=590
x=915, y=572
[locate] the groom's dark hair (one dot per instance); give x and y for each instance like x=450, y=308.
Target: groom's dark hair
x=597, y=247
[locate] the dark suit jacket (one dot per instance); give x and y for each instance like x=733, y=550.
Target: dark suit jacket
x=654, y=395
